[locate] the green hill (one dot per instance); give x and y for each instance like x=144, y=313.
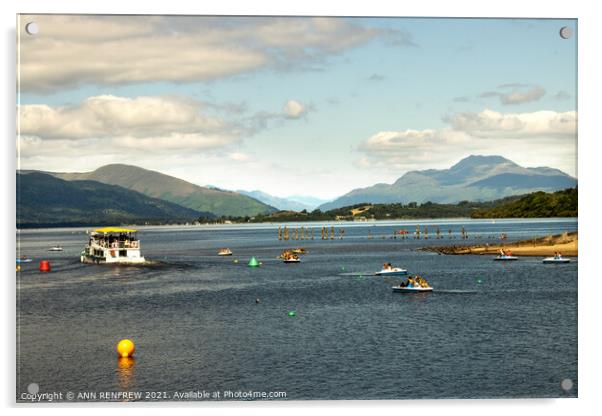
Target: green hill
x=45, y=201
x=169, y=188
x=536, y=205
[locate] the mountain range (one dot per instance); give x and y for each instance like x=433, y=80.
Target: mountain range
x=169, y=188
x=474, y=178
x=125, y=194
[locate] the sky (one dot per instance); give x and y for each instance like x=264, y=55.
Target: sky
x=293, y=105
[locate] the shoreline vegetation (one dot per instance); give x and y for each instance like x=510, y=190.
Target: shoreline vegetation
x=534, y=205
x=565, y=243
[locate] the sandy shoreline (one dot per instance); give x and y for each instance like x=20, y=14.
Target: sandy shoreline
x=566, y=243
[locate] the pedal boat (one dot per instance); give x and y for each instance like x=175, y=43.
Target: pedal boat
x=224, y=252
x=413, y=289
x=505, y=258
x=552, y=260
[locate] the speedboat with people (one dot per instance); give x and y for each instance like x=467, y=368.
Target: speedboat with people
x=413, y=284
x=299, y=250
x=56, y=248
x=389, y=270
x=556, y=259
x=112, y=245
x=224, y=252
x=505, y=256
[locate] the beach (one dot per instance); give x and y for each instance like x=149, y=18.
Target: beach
x=565, y=243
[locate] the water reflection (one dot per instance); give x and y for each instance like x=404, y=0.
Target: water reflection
x=125, y=372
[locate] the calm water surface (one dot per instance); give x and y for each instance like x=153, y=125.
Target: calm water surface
x=494, y=330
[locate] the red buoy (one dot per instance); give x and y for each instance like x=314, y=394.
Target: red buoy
x=44, y=266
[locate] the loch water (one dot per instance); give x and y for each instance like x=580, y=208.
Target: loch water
x=206, y=323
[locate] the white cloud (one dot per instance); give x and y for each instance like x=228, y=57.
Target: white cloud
x=142, y=122
x=78, y=49
x=492, y=124
x=294, y=109
x=531, y=139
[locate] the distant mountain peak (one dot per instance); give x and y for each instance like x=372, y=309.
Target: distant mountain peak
x=480, y=160
x=475, y=178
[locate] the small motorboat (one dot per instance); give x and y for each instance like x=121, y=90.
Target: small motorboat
x=224, y=252
x=393, y=271
x=56, y=248
x=505, y=258
x=24, y=259
x=551, y=260
x=412, y=289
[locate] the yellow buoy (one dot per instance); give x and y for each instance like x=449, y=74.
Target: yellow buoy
x=126, y=348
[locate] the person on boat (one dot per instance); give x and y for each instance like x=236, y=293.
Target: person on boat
x=387, y=266
x=502, y=252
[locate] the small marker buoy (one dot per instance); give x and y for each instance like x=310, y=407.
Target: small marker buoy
x=253, y=262
x=44, y=266
x=479, y=281
x=235, y=260
x=126, y=348
x=292, y=313
x=257, y=300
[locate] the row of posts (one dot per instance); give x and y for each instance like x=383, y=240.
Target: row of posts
x=306, y=233
x=329, y=233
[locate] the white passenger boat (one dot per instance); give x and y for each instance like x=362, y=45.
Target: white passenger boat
x=414, y=289
x=56, y=248
x=551, y=260
x=394, y=271
x=112, y=245
x=505, y=258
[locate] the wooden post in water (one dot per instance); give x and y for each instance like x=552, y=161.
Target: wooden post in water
x=426, y=232
x=285, y=233
x=312, y=233
x=332, y=232
x=450, y=233
x=417, y=234
x=279, y=232
x=302, y=233
x=438, y=233
x=322, y=231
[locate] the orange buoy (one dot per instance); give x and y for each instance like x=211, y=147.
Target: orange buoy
x=44, y=266
x=125, y=348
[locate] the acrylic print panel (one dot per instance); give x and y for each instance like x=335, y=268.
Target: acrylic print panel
x=295, y=208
